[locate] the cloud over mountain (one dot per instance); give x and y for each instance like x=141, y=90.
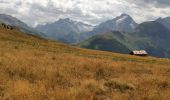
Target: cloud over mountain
x=36, y=12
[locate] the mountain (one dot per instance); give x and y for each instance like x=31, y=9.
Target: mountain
x=32, y=68
x=69, y=31
x=157, y=36
x=153, y=29
x=9, y=20
x=106, y=42
x=65, y=30
x=150, y=36
x=164, y=21
x=122, y=23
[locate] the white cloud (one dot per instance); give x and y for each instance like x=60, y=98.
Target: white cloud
x=91, y=11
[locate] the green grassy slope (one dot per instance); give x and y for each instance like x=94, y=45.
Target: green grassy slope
x=106, y=42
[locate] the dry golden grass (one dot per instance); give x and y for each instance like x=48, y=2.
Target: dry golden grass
x=36, y=69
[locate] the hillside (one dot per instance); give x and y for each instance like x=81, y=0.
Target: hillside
x=149, y=36
x=10, y=20
x=106, y=42
x=34, y=69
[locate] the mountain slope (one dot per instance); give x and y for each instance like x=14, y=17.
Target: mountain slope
x=164, y=21
x=122, y=23
x=150, y=36
x=35, y=69
x=152, y=29
x=158, y=36
x=65, y=30
x=9, y=20
x=106, y=42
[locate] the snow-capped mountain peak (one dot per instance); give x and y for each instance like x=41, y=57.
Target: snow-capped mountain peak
x=122, y=23
x=66, y=30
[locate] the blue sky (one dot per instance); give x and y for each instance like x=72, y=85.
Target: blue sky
x=35, y=12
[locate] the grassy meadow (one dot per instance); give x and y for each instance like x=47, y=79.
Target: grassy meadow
x=35, y=69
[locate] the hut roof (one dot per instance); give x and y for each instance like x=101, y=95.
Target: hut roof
x=139, y=52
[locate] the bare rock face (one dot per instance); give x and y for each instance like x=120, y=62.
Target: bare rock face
x=65, y=30
x=122, y=23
